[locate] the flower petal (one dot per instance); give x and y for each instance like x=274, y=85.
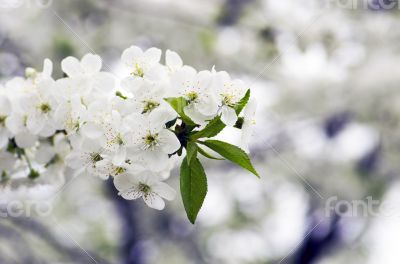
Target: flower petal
x=71, y=66
x=119, y=157
x=228, y=116
x=92, y=130
x=155, y=160
x=103, y=169
x=123, y=182
x=48, y=130
x=154, y=201
x=47, y=68
x=91, y=63
x=104, y=82
x=169, y=141
x=250, y=110
x=25, y=140
x=164, y=190
x=130, y=55
x=75, y=160
x=44, y=154
x=173, y=60
x=153, y=55
x=35, y=124
x=131, y=194
x=194, y=114
x=15, y=123
x=159, y=117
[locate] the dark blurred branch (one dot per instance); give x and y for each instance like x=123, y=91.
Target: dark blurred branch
x=320, y=240
x=131, y=252
x=232, y=11
x=177, y=230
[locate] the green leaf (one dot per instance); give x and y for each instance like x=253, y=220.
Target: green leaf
x=193, y=183
x=211, y=130
x=206, y=154
x=179, y=103
x=191, y=150
x=232, y=153
x=242, y=103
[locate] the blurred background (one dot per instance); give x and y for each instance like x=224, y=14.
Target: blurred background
x=326, y=76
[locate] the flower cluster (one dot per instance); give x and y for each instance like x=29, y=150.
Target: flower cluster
x=133, y=129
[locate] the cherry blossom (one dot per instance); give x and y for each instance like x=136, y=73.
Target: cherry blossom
x=131, y=128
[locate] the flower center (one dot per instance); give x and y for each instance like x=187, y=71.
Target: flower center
x=45, y=108
x=138, y=71
x=150, y=141
x=228, y=99
x=144, y=188
x=192, y=96
x=119, y=140
x=149, y=106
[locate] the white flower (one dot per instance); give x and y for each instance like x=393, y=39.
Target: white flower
x=230, y=92
x=90, y=122
x=118, y=137
x=147, y=96
x=39, y=108
x=70, y=114
x=143, y=64
x=16, y=122
x=145, y=185
x=109, y=129
x=106, y=167
x=86, y=79
x=33, y=106
x=151, y=141
x=85, y=158
x=196, y=88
